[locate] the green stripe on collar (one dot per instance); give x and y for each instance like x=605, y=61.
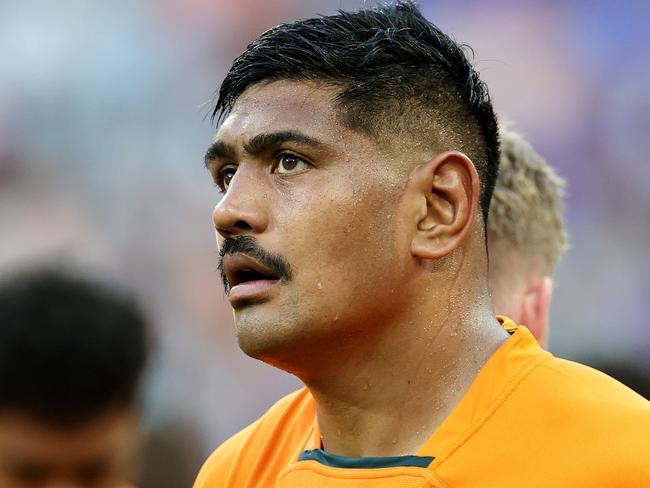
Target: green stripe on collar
x=365, y=462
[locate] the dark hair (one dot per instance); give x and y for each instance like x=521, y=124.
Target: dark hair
x=399, y=74
x=70, y=349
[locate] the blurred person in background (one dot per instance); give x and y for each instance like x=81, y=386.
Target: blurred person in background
x=527, y=237
x=526, y=234
x=357, y=169
x=71, y=356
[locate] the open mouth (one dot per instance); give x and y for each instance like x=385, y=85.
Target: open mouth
x=246, y=275
x=247, y=278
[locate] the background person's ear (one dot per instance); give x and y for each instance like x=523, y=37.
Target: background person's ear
x=447, y=191
x=536, y=306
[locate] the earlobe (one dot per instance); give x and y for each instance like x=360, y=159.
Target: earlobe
x=447, y=190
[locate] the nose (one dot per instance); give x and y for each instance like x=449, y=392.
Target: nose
x=243, y=208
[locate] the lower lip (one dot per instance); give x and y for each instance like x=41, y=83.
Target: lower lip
x=250, y=290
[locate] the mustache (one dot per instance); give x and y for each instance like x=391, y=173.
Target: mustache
x=248, y=245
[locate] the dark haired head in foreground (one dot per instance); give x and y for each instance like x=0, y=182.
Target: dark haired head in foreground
x=356, y=157
x=395, y=78
x=71, y=356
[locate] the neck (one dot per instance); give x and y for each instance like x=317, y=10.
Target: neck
x=390, y=395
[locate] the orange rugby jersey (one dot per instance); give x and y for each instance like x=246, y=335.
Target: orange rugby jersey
x=529, y=419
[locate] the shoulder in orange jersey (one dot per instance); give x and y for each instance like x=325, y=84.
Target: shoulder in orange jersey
x=529, y=419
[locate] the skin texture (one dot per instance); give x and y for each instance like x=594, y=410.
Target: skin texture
x=387, y=317
x=98, y=454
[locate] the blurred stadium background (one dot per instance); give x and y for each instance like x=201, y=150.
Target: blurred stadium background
x=103, y=126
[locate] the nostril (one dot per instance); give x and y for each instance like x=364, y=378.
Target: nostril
x=240, y=224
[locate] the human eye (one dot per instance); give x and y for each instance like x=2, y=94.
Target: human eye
x=225, y=176
x=289, y=163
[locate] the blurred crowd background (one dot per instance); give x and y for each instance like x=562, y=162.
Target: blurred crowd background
x=103, y=126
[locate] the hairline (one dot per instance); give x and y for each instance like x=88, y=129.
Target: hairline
x=341, y=110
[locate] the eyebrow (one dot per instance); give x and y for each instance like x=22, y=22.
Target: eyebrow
x=259, y=144
x=218, y=149
x=263, y=142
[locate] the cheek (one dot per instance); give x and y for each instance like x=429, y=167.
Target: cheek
x=348, y=241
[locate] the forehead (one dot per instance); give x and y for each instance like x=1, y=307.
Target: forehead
x=284, y=105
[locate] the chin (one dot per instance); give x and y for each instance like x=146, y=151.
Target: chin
x=260, y=334
x=257, y=344
x=280, y=340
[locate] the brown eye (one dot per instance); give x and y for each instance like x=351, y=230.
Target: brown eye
x=290, y=163
x=225, y=176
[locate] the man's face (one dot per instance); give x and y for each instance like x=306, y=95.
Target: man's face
x=319, y=205
x=97, y=454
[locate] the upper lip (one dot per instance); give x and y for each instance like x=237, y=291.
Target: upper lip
x=237, y=265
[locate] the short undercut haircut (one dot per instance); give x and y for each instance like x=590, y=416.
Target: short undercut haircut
x=400, y=78
x=70, y=349
x=527, y=205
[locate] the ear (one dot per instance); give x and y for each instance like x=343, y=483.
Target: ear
x=536, y=306
x=445, y=192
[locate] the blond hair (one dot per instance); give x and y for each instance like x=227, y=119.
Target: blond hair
x=527, y=205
